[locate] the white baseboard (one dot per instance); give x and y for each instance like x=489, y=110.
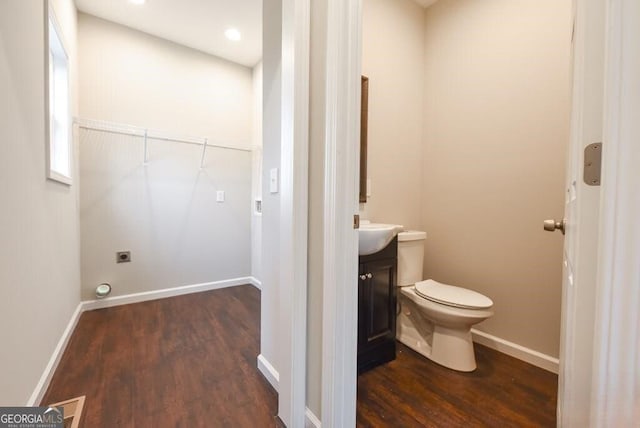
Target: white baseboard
x=517, y=351
x=164, y=293
x=311, y=420
x=256, y=282
x=52, y=365
x=269, y=372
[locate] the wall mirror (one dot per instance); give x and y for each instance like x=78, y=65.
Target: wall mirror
x=364, y=110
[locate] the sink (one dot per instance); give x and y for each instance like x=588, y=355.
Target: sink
x=373, y=237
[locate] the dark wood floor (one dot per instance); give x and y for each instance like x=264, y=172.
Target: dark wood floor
x=188, y=361
x=415, y=392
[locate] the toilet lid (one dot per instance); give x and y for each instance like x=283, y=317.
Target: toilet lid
x=452, y=296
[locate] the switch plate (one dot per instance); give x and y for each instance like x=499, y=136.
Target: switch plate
x=220, y=196
x=273, y=180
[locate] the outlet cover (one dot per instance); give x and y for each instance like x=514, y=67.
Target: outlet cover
x=220, y=196
x=123, y=256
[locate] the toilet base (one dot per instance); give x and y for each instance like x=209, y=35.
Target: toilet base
x=451, y=348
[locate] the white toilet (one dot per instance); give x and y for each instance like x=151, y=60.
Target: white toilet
x=435, y=319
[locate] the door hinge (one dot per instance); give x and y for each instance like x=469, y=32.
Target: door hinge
x=592, y=164
x=356, y=221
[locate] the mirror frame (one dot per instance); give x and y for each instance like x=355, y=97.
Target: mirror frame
x=364, y=113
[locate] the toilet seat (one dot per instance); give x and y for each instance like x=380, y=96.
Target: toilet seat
x=450, y=295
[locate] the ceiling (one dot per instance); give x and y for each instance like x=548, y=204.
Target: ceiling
x=198, y=24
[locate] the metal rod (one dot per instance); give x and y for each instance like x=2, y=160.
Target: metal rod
x=204, y=151
x=147, y=134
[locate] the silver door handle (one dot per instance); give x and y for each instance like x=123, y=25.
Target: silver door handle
x=369, y=276
x=552, y=225
x=363, y=277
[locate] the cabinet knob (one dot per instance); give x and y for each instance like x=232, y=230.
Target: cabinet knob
x=369, y=276
x=363, y=277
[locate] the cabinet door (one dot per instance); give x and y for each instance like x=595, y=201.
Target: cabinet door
x=363, y=305
x=380, y=298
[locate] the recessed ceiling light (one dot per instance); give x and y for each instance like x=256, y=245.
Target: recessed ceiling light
x=138, y=2
x=233, y=34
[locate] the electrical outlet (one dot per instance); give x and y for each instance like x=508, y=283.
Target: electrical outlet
x=123, y=256
x=220, y=196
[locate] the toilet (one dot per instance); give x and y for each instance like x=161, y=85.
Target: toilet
x=435, y=319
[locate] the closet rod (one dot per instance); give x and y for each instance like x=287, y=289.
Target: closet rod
x=137, y=131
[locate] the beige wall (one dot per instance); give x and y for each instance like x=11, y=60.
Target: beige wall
x=496, y=123
x=165, y=213
x=40, y=247
x=393, y=59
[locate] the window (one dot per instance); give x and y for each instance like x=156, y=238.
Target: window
x=58, y=108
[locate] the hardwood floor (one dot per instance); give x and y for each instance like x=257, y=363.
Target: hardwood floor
x=187, y=361
x=415, y=392
x=190, y=361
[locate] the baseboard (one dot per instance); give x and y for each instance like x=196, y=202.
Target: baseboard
x=311, y=420
x=164, y=293
x=517, y=351
x=268, y=371
x=52, y=365
x=256, y=282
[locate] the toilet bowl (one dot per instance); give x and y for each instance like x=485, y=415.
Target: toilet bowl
x=435, y=319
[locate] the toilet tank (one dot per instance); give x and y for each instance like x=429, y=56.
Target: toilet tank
x=410, y=256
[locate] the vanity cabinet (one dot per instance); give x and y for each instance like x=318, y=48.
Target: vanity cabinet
x=377, y=307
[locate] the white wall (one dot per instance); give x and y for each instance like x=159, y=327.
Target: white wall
x=315, y=267
x=256, y=174
x=496, y=130
x=270, y=339
x=393, y=59
x=39, y=249
x=165, y=213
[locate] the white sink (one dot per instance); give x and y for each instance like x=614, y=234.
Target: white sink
x=373, y=237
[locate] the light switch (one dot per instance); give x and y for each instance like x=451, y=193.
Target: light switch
x=368, y=187
x=220, y=196
x=273, y=180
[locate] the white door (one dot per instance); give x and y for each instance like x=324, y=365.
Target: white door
x=582, y=202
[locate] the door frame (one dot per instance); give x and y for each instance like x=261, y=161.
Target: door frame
x=614, y=394
x=343, y=53
x=618, y=279
x=293, y=225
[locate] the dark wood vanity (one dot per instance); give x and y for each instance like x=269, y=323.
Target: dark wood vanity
x=377, y=307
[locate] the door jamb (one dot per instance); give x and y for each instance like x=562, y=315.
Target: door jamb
x=340, y=265
x=294, y=176
x=614, y=394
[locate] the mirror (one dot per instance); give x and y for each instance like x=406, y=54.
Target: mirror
x=364, y=110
